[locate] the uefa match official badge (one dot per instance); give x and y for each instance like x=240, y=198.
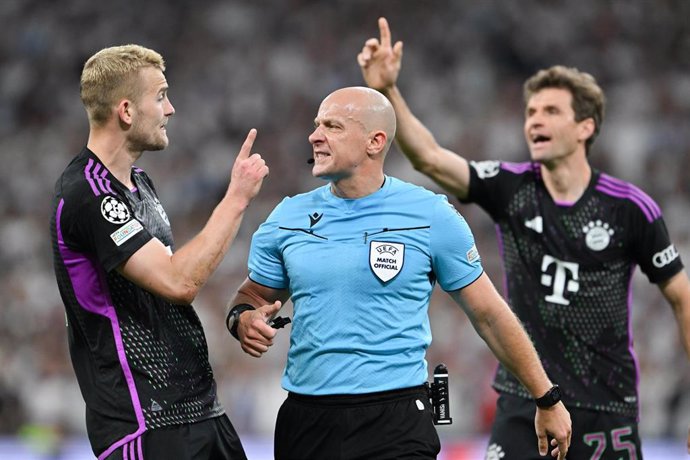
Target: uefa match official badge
x=386, y=259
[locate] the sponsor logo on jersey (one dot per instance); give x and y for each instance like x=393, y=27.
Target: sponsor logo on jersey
x=114, y=210
x=665, y=257
x=314, y=219
x=536, y=224
x=564, y=278
x=597, y=235
x=127, y=231
x=486, y=169
x=386, y=259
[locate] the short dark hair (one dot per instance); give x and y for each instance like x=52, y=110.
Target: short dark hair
x=588, y=98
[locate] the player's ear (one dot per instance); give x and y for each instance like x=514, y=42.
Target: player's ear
x=586, y=129
x=124, y=111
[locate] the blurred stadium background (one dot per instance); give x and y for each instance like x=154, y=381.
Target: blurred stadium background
x=234, y=65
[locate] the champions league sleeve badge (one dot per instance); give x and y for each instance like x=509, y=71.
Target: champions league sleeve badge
x=114, y=210
x=386, y=259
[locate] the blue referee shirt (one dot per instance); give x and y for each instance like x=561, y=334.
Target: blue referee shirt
x=361, y=273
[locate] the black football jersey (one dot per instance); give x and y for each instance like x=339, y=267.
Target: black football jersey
x=141, y=362
x=568, y=276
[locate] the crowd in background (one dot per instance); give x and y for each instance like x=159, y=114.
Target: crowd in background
x=234, y=65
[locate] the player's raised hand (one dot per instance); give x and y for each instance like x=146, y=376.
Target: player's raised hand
x=380, y=62
x=249, y=170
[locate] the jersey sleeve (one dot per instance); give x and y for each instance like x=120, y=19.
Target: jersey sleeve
x=455, y=259
x=104, y=226
x=265, y=261
x=492, y=184
x=652, y=248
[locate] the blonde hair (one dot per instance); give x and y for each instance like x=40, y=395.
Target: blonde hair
x=588, y=98
x=110, y=75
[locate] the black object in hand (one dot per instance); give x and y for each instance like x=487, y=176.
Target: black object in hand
x=279, y=322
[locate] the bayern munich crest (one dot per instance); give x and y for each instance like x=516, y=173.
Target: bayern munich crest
x=114, y=210
x=386, y=259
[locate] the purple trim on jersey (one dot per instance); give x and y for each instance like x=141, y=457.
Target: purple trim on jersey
x=133, y=189
x=139, y=449
x=137, y=170
x=564, y=204
x=517, y=168
x=621, y=189
x=89, y=179
x=89, y=289
x=499, y=236
x=107, y=187
x=631, y=349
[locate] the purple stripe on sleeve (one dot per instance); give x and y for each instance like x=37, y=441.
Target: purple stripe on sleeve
x=621, y=189
x=87, y=174
x=625, y=186
x=517, y=168
x=125, y=452
x=104, y=175
x=131, y=450
x=98, y=177
x=90, y=289
x=647, y=213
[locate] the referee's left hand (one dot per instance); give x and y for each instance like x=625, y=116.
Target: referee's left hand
x=555, y=422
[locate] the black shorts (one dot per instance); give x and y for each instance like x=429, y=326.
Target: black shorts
x=596, y=435
x=394, y=424
x=212, y=439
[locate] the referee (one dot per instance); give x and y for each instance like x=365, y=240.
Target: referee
x=359, y=257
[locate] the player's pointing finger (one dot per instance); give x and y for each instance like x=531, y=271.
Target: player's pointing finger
x=385, y=33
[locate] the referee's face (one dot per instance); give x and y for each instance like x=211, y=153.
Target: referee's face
x=339, y=140
x=150, y=112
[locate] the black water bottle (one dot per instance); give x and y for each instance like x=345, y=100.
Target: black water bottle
x=439, y=398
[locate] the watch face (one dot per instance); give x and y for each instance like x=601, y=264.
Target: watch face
x=556, y=394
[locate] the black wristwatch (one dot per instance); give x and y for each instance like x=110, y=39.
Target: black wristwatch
x=551, y=398
x=233, y=315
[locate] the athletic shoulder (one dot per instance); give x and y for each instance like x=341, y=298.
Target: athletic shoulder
x=629, y=195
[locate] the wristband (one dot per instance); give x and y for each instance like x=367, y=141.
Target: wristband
x=231, y=321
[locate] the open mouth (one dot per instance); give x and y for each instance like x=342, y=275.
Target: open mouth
x=540, y=139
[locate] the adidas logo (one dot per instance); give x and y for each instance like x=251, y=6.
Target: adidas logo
x=155, y=407
x=536, y=224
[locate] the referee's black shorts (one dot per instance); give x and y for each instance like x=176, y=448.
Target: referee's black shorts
x=596, y=434
x=395, y=424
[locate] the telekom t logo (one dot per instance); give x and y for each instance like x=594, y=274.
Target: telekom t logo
x=565, y=277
